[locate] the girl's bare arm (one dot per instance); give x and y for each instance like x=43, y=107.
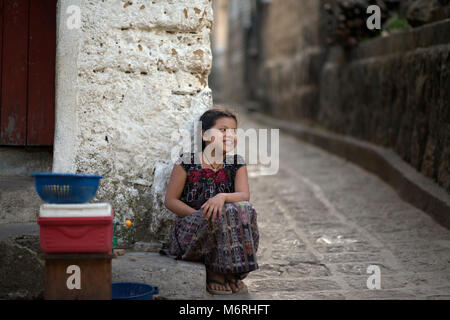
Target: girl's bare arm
x=213, y=207
x=174, y=190
x=241, y=188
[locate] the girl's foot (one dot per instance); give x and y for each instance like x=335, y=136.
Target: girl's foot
x=236, y=285
x=217, y=284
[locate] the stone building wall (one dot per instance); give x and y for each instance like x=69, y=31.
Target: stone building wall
x=394, y=92
x=239, y=20
x=292, y=58
x=276, y=58
x=389, y=90
x=219, y=45
x=141, y=75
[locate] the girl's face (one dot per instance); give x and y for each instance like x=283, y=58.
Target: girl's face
x=223, y=134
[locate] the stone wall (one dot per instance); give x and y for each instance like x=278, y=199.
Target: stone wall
x=394, y=92
x=391, y=91
x=239, y=19
x=283, y=53
x=219, y=42
x=142, y=74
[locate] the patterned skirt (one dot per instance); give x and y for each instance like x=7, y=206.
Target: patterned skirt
x=227, y=245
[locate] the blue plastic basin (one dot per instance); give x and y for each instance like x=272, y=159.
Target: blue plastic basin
x=133, y=291
x=66, y=187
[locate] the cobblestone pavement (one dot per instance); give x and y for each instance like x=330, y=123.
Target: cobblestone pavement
x=324, y=220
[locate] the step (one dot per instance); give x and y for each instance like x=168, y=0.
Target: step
x=175, y=279
x=18, y=229
x=19, y=201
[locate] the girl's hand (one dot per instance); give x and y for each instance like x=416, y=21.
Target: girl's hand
x=213, y=207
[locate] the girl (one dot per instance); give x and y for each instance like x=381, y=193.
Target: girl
x=209, y=193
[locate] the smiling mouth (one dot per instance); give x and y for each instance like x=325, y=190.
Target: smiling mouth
x=228, y=142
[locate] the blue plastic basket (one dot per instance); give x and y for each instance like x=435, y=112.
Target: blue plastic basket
x=66, y=187
x=133, y=291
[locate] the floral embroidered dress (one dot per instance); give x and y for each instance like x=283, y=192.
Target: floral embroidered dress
x=227, y=245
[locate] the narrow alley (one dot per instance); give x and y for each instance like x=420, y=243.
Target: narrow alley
x=100, y=98
x=323, y=221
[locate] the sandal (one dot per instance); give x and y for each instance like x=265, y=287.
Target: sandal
x=220, y=292
x=235, y=282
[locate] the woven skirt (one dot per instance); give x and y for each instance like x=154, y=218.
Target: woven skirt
x=227, y=245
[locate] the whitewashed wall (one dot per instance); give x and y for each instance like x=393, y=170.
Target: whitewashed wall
x=141, y=74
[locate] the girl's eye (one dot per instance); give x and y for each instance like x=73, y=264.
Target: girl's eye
x=224, y=130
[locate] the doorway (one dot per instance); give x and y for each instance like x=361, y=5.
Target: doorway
x=27, y=68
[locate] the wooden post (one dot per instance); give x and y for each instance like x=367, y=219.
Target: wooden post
x=78, y=276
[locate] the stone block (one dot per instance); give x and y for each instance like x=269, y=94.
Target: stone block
x=21, y=268
x=19, y=201
x=142, y=246
x=175, y=279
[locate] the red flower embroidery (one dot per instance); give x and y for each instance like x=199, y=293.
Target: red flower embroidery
x=208, y=173
x=195, y=176
x=221, y=176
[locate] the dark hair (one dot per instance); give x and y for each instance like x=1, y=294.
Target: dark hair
x=210, y=117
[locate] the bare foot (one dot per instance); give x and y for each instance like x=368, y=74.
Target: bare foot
x=216, y=281
x=235, y=283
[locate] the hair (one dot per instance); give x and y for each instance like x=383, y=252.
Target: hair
x=210, y=117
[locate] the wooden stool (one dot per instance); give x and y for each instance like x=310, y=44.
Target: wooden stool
x=77, y=276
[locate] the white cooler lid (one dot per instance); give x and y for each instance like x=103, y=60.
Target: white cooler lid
x=48, y=210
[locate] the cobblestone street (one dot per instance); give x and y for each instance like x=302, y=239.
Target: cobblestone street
x=323, y=221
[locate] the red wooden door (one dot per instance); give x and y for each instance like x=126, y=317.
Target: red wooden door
x=28, y=47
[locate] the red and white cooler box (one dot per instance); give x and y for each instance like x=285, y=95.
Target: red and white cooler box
x=76, y=228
